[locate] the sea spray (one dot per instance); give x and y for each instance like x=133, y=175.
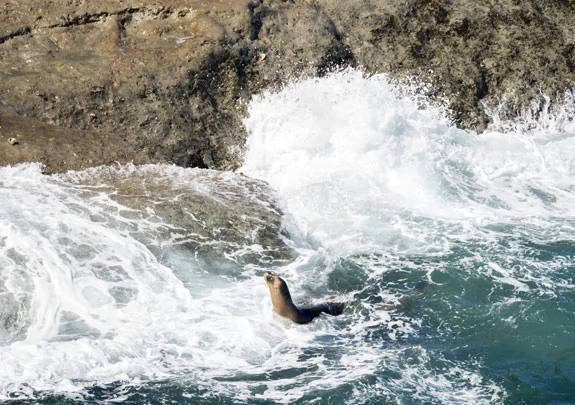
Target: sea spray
x=106, y=275
x=395, y=193
x=142, y=296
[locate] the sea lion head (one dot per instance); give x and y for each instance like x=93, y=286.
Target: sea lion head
x=277, y=285
x=281, y=297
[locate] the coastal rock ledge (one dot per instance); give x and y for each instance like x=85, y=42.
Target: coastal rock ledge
x=85, y=83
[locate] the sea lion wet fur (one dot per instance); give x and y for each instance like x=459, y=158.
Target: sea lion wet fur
x=284, y=306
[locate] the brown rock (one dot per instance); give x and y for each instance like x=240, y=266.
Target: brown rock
x=105, y=66
x=471, y=52
x=60, y=149
x=173, y=78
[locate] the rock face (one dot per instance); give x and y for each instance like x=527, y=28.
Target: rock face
x=59, y=148
x=147, y=74
x=170, y=80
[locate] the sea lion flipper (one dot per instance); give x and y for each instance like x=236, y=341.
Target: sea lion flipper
x=335, y=308
x=331, y=308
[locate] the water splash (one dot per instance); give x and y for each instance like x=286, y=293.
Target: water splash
x=117, y=291
x=381, y=186
x=102, y=276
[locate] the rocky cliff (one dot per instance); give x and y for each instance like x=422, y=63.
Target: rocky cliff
x=144, y=81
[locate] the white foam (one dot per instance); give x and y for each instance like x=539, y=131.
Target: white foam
x=362, y=171
x=362, y=168
x=360, y=162
x=90, y=303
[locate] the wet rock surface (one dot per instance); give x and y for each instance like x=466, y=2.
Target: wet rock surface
x=220, y=219
x=170, y=81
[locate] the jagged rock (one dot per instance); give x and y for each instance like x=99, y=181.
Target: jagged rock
x=173, y=80
x=470, y=52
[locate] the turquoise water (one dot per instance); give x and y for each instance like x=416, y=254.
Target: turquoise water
x=115, y=293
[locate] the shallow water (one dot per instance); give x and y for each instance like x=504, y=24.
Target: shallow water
x=107, y=300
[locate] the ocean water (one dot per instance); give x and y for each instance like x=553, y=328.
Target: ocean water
x=144, y=284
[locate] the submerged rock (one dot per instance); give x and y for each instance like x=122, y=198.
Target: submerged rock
x=172, y=81
x=211, y=217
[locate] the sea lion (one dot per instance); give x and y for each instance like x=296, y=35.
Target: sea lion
x=284, y=306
